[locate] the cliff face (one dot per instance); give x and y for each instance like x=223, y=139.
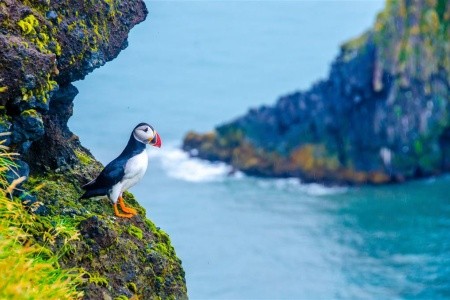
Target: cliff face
x=382, y=115
x=46, y=45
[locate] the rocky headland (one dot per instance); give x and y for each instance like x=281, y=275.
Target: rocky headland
x=46, y=45
x=381, y=116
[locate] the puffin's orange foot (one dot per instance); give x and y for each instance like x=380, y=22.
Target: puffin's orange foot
x=130, y=210
x=121, y=215
x=126, y=208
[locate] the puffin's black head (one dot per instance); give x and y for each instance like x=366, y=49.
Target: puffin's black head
x=146, y=134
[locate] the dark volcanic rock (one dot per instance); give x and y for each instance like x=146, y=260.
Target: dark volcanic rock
x=97, y=230
x=143, y=262
x=47, y=44
x=56, y=147
x=382, y=115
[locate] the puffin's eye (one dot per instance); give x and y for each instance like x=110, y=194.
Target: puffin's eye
x=146, y=129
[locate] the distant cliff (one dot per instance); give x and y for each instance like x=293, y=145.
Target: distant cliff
x=381, y=116
x=46, y=45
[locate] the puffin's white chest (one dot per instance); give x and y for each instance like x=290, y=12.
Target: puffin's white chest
x=134, y=170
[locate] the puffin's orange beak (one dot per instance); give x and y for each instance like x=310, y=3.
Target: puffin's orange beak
x=156, y=140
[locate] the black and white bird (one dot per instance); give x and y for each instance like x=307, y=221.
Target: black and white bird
x=124, y=171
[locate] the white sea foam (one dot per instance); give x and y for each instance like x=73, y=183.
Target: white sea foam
x=316, y=189
x=180, y=165
x=295, y=185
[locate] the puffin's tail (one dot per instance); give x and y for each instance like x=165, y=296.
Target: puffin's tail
x=89, y=184
x=93, y=193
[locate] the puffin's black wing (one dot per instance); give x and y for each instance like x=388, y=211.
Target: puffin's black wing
x=111, y=174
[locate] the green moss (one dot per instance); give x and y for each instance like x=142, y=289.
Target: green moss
x=41, y=92
x=40, y=35
x=96, y=278
x=28, y=25
x=30, y=113
x=418, y=146
x=441, y=8
x=43, y=38
x=163, y=246
x=132, y=287
x=428, y=156
x=403, y=55
x=4, y=122
x=95, y=32
x=84, y=158
x=52, y=187
x=135, y=231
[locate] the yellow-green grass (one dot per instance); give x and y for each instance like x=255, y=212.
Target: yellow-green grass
x=28, y=269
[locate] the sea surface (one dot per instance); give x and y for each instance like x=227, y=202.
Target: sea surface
x=196, y=64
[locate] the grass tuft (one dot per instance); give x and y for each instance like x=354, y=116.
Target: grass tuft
x=28, y=269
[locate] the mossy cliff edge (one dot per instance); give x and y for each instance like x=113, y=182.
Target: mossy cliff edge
x=381, y=116
x=45, y=45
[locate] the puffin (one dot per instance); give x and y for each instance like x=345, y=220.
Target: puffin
x=125, y=171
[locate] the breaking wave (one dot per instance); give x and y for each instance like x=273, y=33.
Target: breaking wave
x=295, y=185
x=179, y=165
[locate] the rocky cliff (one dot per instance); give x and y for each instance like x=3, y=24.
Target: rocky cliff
x=382, y=115
x=46, y=45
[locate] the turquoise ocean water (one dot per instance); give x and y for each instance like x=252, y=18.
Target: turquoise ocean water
x=195, y=64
